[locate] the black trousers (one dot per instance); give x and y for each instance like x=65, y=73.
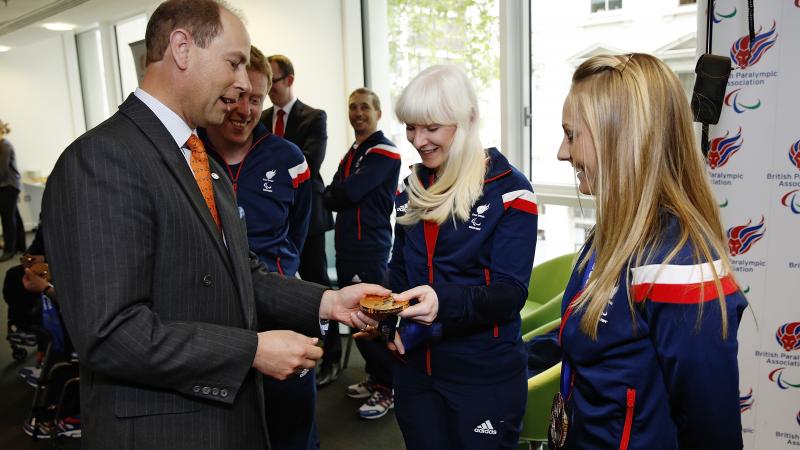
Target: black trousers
x=13, y=228
x=313, y=262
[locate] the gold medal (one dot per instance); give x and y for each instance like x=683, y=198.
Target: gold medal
x=559, y=423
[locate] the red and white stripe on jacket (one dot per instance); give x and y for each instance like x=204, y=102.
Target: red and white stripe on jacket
x=385, y=150
x=683, y=284
x=522, y=200
x=300, y=173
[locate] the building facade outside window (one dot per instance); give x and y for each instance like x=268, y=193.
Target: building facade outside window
x=562, y=38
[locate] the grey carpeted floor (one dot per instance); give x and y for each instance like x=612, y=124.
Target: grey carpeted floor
x=339, y=425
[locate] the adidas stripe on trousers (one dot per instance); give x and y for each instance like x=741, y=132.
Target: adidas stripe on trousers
x=436, y=415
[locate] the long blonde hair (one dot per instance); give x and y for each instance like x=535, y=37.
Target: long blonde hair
x=443, y=95
x=648, y=163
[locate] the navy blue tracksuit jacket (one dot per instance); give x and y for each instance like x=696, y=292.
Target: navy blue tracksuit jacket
x=273, y=192
x=655, y=380
x=362, y=192
x=480, y=269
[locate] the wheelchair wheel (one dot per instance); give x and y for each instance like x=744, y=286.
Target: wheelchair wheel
x=19, y=354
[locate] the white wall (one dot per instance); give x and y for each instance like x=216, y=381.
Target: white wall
x=312, y=35
x=41, y=93
x=36, y=102
x=41, y=101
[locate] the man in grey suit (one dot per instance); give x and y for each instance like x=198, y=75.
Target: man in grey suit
x=158, y=289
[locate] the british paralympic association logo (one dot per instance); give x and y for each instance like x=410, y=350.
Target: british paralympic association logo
x=722, y=148
x=746, y=401
x=776, y=376
x=789, y=179
x=720, y=16
x=745, y=55
x=788, y=336
x=794, y=154
x=738, y=105
x=791, y=200
x=742, y=237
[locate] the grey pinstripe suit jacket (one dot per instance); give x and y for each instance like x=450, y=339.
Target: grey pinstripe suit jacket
x=161, y=310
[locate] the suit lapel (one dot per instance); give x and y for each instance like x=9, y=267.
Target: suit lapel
x=295, y=115
x=266, y=118
x=163, y=142
x=236, y=240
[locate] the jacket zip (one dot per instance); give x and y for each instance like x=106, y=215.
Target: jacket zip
x=488, y=277
x=630, y=402
x=358, y=221
x=431, y=232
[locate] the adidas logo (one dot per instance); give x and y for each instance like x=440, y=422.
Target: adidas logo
x=485, y=428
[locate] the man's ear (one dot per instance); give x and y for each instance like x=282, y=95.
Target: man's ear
x=180, y=42
x=289, y=80
x=379, y=114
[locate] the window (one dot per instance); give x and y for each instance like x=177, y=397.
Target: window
x=93, y=80
x=561, y=39
x=416, y=34
x=606, y=5
x=687, y=2
x=129, y=32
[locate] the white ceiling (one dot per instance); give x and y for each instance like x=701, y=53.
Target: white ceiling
x=82, y=13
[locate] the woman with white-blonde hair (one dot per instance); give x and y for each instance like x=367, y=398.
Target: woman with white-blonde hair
x=463, y=251
x=650, y=315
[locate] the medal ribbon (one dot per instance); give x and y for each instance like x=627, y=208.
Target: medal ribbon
x=566, y=370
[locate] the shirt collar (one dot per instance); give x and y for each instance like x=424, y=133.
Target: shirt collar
x=179, y=130
x=288, y=107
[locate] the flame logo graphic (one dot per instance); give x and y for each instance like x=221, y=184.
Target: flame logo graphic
x=742, y=237
x=792, y=201
x=745, y=55
x=732, y=100
x=270, y=174
x=746, y=401
x=482, y=209
x=722, y=148
x=794, y=154
x=776, y=376
x=719, y=17
x=788, y=336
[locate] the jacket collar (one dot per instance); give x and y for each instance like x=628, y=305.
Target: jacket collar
x=497, y=167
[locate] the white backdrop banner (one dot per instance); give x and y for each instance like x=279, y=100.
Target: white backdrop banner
x=754, y=162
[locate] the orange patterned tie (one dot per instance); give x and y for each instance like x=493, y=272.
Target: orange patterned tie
x=202, y=174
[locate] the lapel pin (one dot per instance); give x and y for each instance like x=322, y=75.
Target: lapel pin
x=214, y=176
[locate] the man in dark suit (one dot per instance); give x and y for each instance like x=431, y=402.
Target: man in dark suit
x=305, y=127
x=158, y=289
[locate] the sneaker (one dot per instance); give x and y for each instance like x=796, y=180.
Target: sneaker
x=363, y=389
x=378, y=404
x=33, y=381
x=36, y=429
x=70, y=427
x=30, y=371
x=22, y=338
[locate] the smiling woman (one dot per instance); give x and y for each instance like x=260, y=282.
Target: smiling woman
x=463, y=250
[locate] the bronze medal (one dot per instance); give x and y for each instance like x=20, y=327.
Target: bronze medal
x=559, y=423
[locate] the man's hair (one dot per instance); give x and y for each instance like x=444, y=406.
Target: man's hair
x=283, y=63
x=376, y=102
x=201, y=18
x=259, y=63
x=5, y=128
